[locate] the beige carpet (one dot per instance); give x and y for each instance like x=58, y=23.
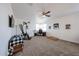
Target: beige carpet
x=43, y=46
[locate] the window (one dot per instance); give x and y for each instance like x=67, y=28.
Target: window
x=41, y=26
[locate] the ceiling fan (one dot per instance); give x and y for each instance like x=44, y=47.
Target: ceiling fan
x=46, y=13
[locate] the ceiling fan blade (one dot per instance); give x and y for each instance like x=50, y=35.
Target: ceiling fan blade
x=44, y=13
x=47, y=15
x=48, y=11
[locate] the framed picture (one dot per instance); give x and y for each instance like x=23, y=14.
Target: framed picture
x=68, y=26
x=56, y=26
x=11, y=21
x=49, y=27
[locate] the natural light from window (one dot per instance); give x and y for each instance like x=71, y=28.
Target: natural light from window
x=41, y=26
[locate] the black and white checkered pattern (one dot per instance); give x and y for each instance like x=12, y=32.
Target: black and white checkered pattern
x=22, y=36
x=15, y=40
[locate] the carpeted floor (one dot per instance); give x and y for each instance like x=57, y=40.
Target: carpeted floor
x=43, y=46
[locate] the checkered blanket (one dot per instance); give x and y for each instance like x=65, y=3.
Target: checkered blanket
x=15, y=40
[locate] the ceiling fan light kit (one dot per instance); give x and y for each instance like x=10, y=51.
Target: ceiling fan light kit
x=46, y=13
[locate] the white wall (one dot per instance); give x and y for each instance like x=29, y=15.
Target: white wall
x=31, y=26
x=62, y=33
x=69, y=35
x=5, y=31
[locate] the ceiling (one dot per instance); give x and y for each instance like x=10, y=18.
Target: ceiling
x=24, y=10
